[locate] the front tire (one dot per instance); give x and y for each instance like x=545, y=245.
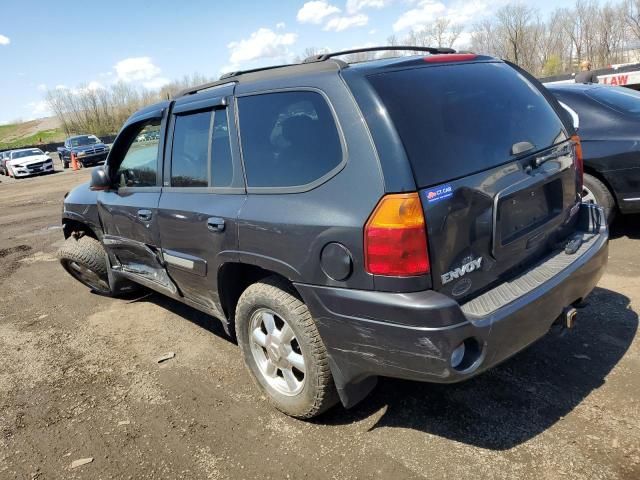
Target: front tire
x=282, y=349
x=594, y=191
x=85, y=260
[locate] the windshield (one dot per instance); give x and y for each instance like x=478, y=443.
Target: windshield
x=622, y=99
x=459, y=119
x=27, y=153
x=83, y=140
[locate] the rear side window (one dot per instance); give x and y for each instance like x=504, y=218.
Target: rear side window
x=456, y=120
x=624, y=100
x=191, y=150
x=288, y=139
x=221, y=161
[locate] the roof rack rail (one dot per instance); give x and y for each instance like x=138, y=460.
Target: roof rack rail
x=326, y=56
x=198, y=88
x=224, y=76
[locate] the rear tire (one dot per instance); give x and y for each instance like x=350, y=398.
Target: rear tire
x=594, y=191
x=85, y=260
x=282, y=349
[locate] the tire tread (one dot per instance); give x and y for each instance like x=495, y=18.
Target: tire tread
x=282, y=292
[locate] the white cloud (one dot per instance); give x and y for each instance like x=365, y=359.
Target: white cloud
x=61, y=87
x=280, y=25
x=464, y=12
x=39, y=109
x=94, y=85
x=339, y=24
x=136, y=69
x=156, y=83
x=4, y=40
x=316, y=11
x=42, y=87
x=463, y=40
x=426, y=11
x=354, y=6
x=263, y=43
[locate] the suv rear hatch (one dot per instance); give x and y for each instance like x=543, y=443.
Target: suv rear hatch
x=494, y=165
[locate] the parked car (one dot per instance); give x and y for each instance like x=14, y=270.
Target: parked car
x=349, y=221
x=88, y=148
x=4, y=156
x=28, y=161
x=609, y=128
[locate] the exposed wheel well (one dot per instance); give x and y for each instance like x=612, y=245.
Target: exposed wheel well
x=74, y=227
x=234, y=278
x=599, y=176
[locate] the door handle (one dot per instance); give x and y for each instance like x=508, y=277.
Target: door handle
x=145, y=215
x=215, y=224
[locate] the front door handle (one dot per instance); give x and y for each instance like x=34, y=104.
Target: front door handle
x=215, y=224
x=145, y=215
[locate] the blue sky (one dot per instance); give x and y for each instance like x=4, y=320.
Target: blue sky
x=75, y=43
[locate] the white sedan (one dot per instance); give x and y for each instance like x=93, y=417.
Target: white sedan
x=28, y=161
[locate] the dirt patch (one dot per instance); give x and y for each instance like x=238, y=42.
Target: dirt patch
x=74, y=366
x=9, y=251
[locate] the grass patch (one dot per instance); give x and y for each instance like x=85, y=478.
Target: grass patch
x=8, y=138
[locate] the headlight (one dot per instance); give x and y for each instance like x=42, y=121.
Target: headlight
x=81, y=154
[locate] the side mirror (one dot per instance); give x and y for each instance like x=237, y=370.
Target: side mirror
x=99, y=179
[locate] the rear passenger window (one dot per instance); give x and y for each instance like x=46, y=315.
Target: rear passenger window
x=221, y=162
x=288, y=138
x=190, y=156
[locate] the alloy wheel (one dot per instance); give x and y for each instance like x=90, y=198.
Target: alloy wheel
x=276, y=352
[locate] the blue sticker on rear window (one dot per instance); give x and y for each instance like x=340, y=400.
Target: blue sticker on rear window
x=438, y=193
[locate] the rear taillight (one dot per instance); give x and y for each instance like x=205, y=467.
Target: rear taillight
x=579, y=162
x=395, y=237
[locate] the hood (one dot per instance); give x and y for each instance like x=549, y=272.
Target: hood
x=85, y=148
x=28, y=160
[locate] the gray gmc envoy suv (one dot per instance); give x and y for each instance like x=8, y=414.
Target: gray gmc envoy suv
x=415, y=217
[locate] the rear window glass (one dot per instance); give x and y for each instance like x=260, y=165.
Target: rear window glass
x=456, y=120
x=619, y=98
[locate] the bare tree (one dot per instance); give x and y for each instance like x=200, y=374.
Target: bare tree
x=632, y=18
x=517, y=25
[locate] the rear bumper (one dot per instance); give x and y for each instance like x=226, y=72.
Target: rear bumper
x=412, y=335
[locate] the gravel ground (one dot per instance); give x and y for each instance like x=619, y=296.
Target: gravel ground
x=79, y=379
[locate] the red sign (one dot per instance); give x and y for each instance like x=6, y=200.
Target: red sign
x=616, y=80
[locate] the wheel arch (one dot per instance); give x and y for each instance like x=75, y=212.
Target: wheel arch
x=71, y=226
x=596, y=174
x=235, y=277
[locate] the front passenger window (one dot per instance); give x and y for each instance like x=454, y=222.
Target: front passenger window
x=139, y=168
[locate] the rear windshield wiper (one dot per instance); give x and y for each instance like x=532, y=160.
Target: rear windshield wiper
x=560, y=152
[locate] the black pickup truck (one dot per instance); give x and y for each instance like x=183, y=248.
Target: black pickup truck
x=88, y=148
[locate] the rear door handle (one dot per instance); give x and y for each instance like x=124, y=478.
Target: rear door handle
x=145, y=215
x=215, y=224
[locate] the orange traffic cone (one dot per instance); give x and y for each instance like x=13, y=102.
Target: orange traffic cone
x=74, y=162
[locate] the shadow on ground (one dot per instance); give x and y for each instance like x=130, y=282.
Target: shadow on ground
x=519, y=399
x=505, y=406
x=203, y=320
x=626, y=226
